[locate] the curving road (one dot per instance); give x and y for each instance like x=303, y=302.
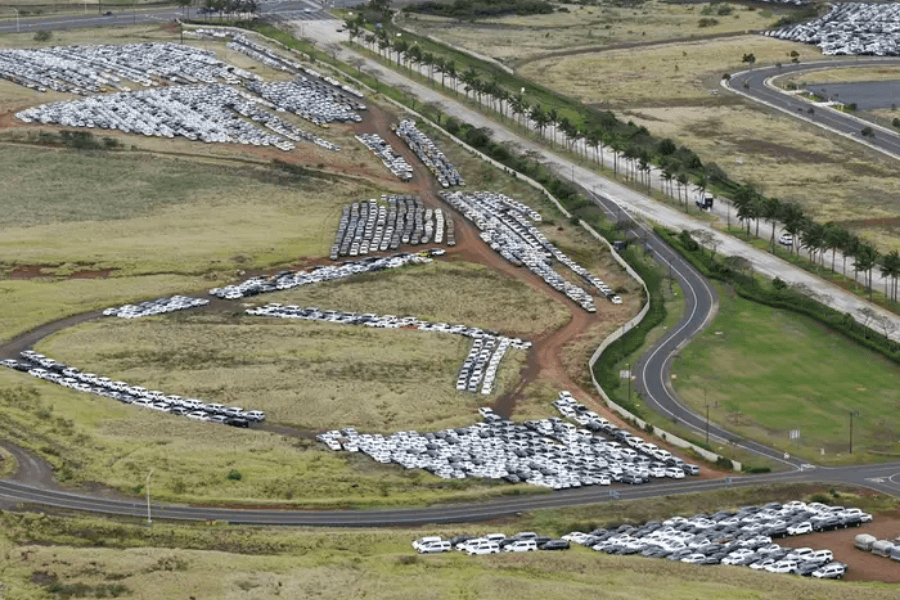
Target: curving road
x=653, y=371
x=752, y=84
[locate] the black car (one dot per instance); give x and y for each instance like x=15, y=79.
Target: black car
x=554, y=545
x=237, y=422
x=806, y=569
x=827, y=524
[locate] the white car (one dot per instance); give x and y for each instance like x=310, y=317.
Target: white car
x=800, y=528
x=521, y=546
x=675, y=473
x=782, y=566
x=832, y=571
x=483, y=548
x=786, y=239
x=434, y=548
x=423, y=541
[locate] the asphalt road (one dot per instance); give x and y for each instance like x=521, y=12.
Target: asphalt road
x=883, y=478
x=128, y=15
x=653, y=372
x=885, y=140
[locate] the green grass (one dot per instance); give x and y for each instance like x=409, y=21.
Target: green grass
x=221, y=561
x=765, y=372
x=147, y=215
x=32, y=302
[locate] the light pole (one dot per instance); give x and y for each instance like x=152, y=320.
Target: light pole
x=149, y=518
x=853, y=413
x=628, y=368
x=17, y=17
x=706, y=402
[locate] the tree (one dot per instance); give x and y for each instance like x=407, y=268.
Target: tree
x=539, y=117
x=682, y=187
x=427, y=60
x=866, y=259
x=400, y=46
x=771, y=210
x=890, y=267
x=812, y=235
x=792, y=217
x=749, y=59
x=450, y=70
x=744, y=199
x=552, y=121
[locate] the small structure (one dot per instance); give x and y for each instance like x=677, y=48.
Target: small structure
x=864, y=541
x=882, y=548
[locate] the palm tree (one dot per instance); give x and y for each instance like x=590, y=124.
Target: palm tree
x=891, y=268
x=614, y=143
x=415, y=55
x=667, y=176
x=866, y=259
x=812, y=236
x=682, y=183
x=771, y=210
x=427, y=60
x=644, y=163
x=743, y=200
x=470, y=80
x=552, y=120
x=792, y=217
x=539, y=117
x=450, y=70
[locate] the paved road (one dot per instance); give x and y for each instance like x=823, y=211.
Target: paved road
x=127, y=15
x=883, y=478
x=653, y=371
x=885, y=140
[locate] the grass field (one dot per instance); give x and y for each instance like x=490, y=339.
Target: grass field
x=765, y=372
x=48, y=556
x=686, y=71
x=516, y=39
x=785, y=159
x=89, y=439
x=840, y=75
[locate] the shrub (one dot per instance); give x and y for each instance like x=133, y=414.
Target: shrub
x=43, y=36
x=234, y=475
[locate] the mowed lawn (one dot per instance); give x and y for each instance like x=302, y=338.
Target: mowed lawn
x=765, y=372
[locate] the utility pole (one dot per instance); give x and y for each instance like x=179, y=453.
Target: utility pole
x=628, y=368
x=853, y=413
x=149, y=518
x=707, y=415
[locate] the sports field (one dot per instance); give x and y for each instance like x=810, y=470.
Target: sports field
x=764, y=372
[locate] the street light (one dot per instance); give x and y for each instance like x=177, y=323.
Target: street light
x=149, y=518
x=706, y=402
x=17, y=17
x=853, y=413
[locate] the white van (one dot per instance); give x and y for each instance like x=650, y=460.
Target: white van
x=434, y=548
x=521, y=546
x=483, y=547
x=426, y=540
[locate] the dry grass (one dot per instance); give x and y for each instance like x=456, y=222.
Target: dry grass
x=785, y=158
x=92, y=439
x=263, y=563
x=516, y=39
x=314, y=376
x=686, y=71
x=840, y=75
x=29, y=303
x=449, y=292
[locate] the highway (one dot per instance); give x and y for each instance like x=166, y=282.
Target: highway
x=885, y=140
x=652, y=371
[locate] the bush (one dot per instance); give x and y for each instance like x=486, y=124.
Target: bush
x=707, y=22
x=234, y=475
x=43, y=36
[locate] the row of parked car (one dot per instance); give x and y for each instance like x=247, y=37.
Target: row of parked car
x=506, y=226
x=478, y=370
x=481, y=364
x=395, y=163
x=375, y=226
x=285, y=280
x=312, y=99
x=93, y=69
x=42, y=367
x=548, y=453
x=850, y=28
x=739, y=538
x=491, y=543
x=154, y=307
x=446, y=174
x=210, y=113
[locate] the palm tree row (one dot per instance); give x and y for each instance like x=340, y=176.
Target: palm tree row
x=591, y=142
x=817, y=239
